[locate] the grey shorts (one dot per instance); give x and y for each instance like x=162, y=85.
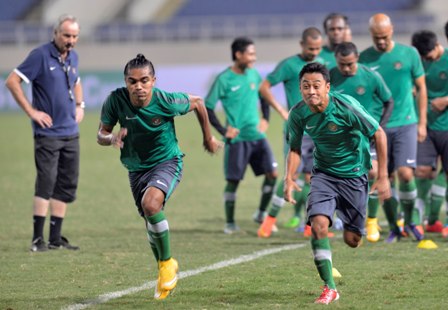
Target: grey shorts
x=347, y=196
x=165, y=176
x=57, y=166
x=401, y=147
x=435, y=144
x=257, y=154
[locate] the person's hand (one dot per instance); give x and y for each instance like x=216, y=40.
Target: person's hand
x=212, y=145
x=382, y=186
x=284, y=114
x=438, y=104
x=117, y=140
x=41, y=118
x=421, y=133
x=263, y=126
x=288, y=189
x=232, y=132
x=79, y=115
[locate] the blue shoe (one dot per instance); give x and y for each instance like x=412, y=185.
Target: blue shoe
x=412, y=228
x=393, y=236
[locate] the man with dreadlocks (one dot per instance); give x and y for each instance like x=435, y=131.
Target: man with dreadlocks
x=150, y=152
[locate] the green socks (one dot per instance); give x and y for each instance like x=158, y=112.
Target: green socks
x=159, y=235
x=373, y=204
x=322, y=260
x=408, y=194
x=266, y=193
x=229, y=201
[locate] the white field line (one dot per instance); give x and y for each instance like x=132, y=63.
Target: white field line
x=184, y=274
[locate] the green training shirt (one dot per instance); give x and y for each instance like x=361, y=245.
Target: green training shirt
x=437, y=86
x=328, y=56
x=366, y=86
x=399, y=68
x=151, y=137
x=287, y=71
x=239, y=97
x=341, y=135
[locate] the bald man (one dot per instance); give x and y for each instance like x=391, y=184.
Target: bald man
x=401, y=68
x=287, y=72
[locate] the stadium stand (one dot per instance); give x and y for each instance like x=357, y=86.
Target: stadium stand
x=215, y=20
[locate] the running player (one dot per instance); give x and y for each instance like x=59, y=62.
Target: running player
x=368, y=87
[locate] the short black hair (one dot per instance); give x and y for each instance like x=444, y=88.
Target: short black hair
x=240, y=45
x=345, y=49
x=315, y=67
x=139, y=61
x=334, y=16
x=311, y=32
x=424, y=41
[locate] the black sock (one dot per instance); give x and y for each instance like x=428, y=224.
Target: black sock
x=55, y=228
x=38, y=226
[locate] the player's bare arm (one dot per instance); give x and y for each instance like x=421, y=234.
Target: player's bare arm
x=422, y=107
x=381, y=184
x=266, y=93
x=106, y=136
x=292, y=163
x=439, y=104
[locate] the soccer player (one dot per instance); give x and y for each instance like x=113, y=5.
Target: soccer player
x=335, y=27
x=401, y=68
x=339, y=126
x=435, y=64
x=287, y=72
x=368, y=87
x=246, y=144
x=149, y=150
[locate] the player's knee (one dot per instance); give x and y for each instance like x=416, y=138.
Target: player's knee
x=319, y=226
x=152, y=202
x=352, y=239
x=405, y=174
x=424, y=172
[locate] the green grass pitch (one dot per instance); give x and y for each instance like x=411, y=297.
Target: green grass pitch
x=115, y=256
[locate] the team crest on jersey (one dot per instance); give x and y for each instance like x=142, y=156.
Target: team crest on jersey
x=398, y=65
x=442, y=75
x=360, y=90
x=252, y=86
x=332, y=127
x=156, y=121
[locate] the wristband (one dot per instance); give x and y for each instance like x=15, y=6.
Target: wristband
x=81, y=104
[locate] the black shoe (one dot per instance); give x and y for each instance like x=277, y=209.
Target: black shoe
x=38, y=245
x=62, y=243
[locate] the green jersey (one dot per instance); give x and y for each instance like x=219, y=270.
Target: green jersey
x=366, y=86
x=399, y=68
x=437, y=86
x=151, y=137
x=328, y=56
x=239, y=97
x=341, y=135
x=287, y=71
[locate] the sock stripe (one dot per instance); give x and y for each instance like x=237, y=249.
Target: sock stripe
x=158, y=227
x=229, y=196
x=278, y=201
x=322, y=254
x=438, y=190
x=407, y=195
